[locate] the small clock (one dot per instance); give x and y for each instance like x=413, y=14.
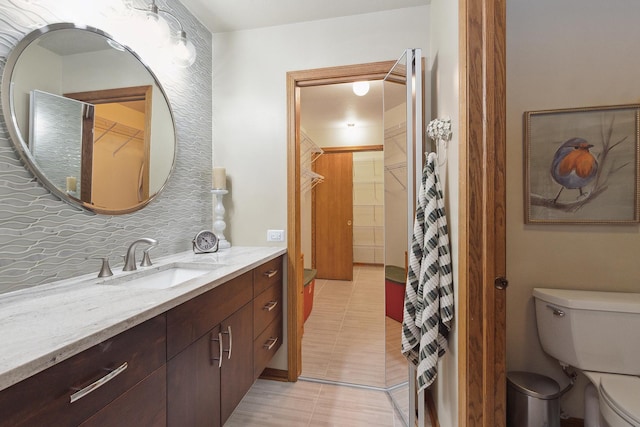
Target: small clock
x=205, y=242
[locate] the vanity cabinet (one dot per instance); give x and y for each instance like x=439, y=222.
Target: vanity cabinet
x=211, y=340
x=267, y=313
x=130, y=368
x=190, y=366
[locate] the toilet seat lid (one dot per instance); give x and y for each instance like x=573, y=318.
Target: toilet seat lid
x=621, y=394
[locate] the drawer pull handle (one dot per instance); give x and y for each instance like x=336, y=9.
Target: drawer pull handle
x=270, y=305
x=219, y=341
x=98, y=383
x=269, y=345
x=269, y=274
x=230, y=341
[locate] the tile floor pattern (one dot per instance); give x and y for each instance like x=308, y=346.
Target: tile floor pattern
x=344, y=341
x=307, y=404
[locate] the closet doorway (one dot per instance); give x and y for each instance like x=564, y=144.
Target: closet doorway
x=332, y=217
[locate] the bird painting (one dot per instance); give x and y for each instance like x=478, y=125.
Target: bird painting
x=574, y=166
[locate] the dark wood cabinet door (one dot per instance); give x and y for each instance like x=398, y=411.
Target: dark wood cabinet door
x=193, y=384
x=237, y=370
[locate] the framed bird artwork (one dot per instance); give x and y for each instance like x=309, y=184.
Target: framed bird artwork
x=581, y=165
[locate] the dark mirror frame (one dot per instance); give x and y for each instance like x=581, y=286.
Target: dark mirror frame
x=19, y=142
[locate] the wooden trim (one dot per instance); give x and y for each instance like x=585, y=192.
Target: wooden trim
x=148, y=113
x=353, y=148
x=481, y=310
x=431, y=409
x=105, y=96
x=295, y=285
x=274, y=374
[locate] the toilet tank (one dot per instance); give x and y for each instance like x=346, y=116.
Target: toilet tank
x=590, y=330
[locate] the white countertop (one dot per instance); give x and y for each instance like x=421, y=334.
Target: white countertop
x=46, y=324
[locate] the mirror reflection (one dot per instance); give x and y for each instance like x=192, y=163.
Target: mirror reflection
x=89, y=119
x=352, y=331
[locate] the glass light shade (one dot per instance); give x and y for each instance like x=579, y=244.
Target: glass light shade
x=153, y=27
x=361, y=88
x=184, y=52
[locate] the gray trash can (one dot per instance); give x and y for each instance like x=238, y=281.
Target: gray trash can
x=532, y=400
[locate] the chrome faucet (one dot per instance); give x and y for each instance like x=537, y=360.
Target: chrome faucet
x=130, y=258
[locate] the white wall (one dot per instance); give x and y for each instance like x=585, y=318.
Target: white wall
x=250, y=108
x=444, y=68
x=573, y=53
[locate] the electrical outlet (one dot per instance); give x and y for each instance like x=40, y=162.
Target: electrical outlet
x=275, y=235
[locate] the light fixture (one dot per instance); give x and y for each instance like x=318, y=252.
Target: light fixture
x=153, y=25
x=360, y=88
x=184, y=52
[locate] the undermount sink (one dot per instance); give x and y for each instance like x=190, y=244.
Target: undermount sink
x=163, y=277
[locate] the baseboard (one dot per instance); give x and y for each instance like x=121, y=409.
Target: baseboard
x=572, y=422
x=431, y=409
x=275, y=374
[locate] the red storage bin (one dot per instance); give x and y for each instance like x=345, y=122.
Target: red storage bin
x=394, y=285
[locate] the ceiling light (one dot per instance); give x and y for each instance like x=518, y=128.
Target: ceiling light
x=361, y=88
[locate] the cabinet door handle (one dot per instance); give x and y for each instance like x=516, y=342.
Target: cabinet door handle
x=219, y=340
x=98, y=383
x=270, y=343
x=269, y=274
x=270, y=305
x=230, y=341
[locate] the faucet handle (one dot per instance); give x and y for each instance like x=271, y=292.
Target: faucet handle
x=146, y=260
x=105, y=270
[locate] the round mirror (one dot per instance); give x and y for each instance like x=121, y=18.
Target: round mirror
x=88, y=118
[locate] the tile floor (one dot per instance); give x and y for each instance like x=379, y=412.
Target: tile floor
x=343, y=364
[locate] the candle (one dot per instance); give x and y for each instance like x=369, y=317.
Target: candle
x=72, y=183
x=219, y=179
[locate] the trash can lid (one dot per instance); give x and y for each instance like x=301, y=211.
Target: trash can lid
x=534, y=385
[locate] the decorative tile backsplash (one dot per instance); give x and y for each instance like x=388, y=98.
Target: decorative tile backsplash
x=43, y=239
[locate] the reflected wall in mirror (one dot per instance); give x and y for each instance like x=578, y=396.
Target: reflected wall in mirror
x=89, y=119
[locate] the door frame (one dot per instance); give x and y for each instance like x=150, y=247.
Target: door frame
x=481, y=314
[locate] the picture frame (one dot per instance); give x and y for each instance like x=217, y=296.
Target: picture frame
x=581, y=165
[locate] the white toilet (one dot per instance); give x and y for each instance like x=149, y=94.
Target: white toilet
x=598, y=333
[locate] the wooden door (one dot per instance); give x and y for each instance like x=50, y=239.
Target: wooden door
x=333, y=217
x=193, y=384
x=236, y=376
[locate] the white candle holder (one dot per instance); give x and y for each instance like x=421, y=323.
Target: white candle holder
x=219, y=225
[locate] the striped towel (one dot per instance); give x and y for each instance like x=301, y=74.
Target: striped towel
x=428, y=302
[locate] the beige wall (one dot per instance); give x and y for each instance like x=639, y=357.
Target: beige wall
x=444, y=95
x=573, y=53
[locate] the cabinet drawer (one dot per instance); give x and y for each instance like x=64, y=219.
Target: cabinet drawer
x=267, y=275
x=191, y=320
x=45, y=398
x=143, y=405
x=266, y=307
x=266, y=345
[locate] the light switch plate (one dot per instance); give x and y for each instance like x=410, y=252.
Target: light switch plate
x=275, y=235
